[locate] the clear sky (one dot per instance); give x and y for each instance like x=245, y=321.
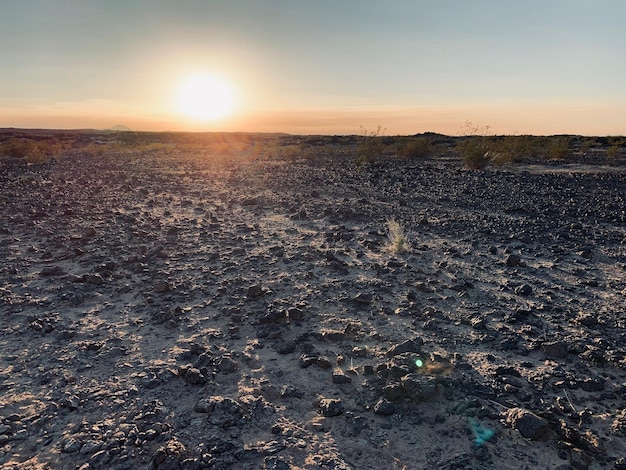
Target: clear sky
x=317, y=66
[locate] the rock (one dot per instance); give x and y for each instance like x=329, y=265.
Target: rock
x=555, y=349
x=524, y=290
x=408, y=346
x=71, y=445
x=100, y=458
x=363, y=298
x=384, y=407
x=275, y=463
x=418, y=387
x=226, y=364
x=223, y=412
x=591, y=384
x=51, y=271
x=394, y=392
x=295, y=313
x=286, y=347
x=333, y=335
x=514, y=261
x=323, y=362
x=330, y=407
x=255, y=291
x=193, y=376
x=339, y=377
x=619, y=423
x=95, y=279
x=162, y=287
x=527, y=423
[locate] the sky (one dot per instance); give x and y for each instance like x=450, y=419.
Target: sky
x=318, y=66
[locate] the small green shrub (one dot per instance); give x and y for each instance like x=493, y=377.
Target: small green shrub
x=398, y=241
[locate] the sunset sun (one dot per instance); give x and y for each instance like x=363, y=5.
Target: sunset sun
x=205, y=98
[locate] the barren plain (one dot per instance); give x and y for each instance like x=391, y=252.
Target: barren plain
x=165, y=309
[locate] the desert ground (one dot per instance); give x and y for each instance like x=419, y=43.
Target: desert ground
x=168, y=307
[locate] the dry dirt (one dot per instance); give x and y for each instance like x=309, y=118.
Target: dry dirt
x=165, y=311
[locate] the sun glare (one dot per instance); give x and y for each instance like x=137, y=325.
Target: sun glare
x=205, y=98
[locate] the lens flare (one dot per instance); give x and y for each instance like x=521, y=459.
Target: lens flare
x=481, y=433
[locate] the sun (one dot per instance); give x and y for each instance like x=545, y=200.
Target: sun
x=205, y=98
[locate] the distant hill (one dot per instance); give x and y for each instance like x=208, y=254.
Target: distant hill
x=119, y=127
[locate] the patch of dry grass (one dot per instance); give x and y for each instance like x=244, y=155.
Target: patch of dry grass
x=398, y=241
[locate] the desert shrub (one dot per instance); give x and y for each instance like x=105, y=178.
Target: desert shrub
x=32, y=151
x=371, y=146
x=477, y=152
x=477, y=148
x=398, y=241
x=419, y=147
x=513, y=149
x=18, y=148
x=557, y=148
x=613, y=151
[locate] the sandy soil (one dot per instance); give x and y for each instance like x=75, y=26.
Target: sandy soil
x=165, y=311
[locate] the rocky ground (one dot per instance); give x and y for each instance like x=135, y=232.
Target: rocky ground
x=163, y=311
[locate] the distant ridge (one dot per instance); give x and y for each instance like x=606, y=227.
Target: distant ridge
x=119, y=127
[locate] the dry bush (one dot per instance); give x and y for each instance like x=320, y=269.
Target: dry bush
x=420, y=147
x=398, y=241
x=514, y=149
x=34, y=151
x=557, y=148
x=613, y=151
x=477, y=152
x=371, y=147
x=477, y=148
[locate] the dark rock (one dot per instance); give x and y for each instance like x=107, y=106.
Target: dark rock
x=333, y=335
x=339, y=377
x=286, y=347
x=194, y=377
x=418, y=387
x=591, y=384
x=527, y=423
x=51, y=271
x=330, y=407
x=275, y=463
x=306, y=361
x=408, y=346
x=394, y=391
x=223, y=411
x=384, y=407
x=226, y=364
x=95, y=279
x=555, y=349
x=363, y=298
x=514, y=261
x=323, y=362
x=524, y=290
x=295, y=314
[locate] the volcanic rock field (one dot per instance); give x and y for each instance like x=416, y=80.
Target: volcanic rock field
x=161, y=310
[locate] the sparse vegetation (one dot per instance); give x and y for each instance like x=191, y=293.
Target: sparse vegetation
x=613, y=151
x=557, y=148
x=33, y=151
x=476, y=149
x=419, y=147
x=371, y=147
x=398, y=241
